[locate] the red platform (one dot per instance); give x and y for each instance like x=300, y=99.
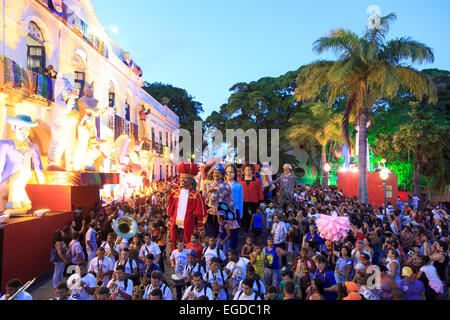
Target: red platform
x=348, y=183
x=65, y=189
x=61, y=198
x=26, y=243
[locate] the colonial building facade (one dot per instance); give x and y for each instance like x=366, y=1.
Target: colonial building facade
x=66, y=35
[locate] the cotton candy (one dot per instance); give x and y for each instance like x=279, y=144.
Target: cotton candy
x=333, y=227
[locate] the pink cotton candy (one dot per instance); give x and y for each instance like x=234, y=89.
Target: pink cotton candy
x=333, y=227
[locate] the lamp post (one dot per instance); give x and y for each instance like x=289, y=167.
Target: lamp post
x=384, y=174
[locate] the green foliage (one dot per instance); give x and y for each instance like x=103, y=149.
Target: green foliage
x=267, y=103
x=368, y=68
x=405, y=172
x=179, y=101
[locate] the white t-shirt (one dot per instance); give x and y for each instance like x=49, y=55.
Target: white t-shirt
x=107, y=263
x=181, y=259
x=211, y=253
x=108, y=249
x=75, y=247
x=166, y=292
x=90, y=237
x=269, y=214
x=188, y=269
x=262, y=288
x=128, y=290
x=21, y=296
x=240, y=295
x=221, y=276
x=431, y=273
x=279, y=230
x=205, y=291
x=238, y=270
x=129, y=265
x=80, y=293
x=152, y=248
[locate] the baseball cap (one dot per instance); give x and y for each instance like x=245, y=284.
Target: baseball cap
x=270, y=204
x=351, y=286
x=269, y=238
x=353, y=296
x=407, y=272
x=192, y=253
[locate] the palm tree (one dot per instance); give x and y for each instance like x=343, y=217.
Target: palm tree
x=368, y=68
x=319, y=124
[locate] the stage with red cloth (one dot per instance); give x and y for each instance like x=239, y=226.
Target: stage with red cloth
x=348, y=183
x=25, y=245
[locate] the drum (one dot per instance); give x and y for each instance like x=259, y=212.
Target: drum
x=177, y=279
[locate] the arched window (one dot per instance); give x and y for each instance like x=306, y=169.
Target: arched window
x=80, y=73
x=35, y=48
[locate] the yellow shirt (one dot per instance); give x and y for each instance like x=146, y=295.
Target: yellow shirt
x=259, y=264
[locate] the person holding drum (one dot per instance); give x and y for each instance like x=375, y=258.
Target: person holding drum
x=178, y=261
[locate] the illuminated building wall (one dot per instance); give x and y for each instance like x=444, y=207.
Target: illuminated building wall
x=73, y=41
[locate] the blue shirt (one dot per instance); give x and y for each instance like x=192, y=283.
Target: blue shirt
x=342, y=263
x=317, y=237
x=272, y=257
x=237, y=193
x=257, y=220
x=327, y=276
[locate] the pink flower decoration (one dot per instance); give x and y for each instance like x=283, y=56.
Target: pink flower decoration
x=333, y=227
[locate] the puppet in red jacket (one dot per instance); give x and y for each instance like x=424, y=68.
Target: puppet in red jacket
x=184, y=205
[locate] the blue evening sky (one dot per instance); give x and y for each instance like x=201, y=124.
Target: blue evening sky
x=206, y=46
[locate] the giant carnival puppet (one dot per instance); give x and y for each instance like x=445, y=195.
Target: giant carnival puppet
x=217, y=191
x=185, y=206
x=17, y=157
x=65, y=95
x=287, y=181
x=252, y=194
x=143, y=113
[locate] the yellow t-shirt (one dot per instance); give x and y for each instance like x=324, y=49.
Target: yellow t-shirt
x=259, y=265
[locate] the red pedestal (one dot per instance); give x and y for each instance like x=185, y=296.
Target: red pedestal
x=61, y=198
x=26, y=243
x=348, y=183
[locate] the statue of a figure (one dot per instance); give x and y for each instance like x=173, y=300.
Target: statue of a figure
x=16, y=156
x=86, y=128
x=65, y=95
x=143, y=113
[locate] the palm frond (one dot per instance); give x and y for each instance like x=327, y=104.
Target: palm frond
x=403, y=48
x=416, y=83
x=343, y=43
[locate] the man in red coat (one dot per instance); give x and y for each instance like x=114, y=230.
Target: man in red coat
x=184, y=205
x=252, y=194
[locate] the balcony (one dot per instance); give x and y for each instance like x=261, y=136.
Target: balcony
x=26, y=82
x=157, y=147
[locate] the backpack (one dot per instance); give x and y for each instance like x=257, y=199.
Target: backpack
x=258, y=284
x=54, y=257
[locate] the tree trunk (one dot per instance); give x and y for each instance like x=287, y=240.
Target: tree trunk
x=416, y=177
x=324, y=161
x=442, y=162
x=363, y=195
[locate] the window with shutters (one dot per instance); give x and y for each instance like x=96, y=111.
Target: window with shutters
x=35, y=49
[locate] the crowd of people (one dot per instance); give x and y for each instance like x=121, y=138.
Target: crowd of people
x=269, y=250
